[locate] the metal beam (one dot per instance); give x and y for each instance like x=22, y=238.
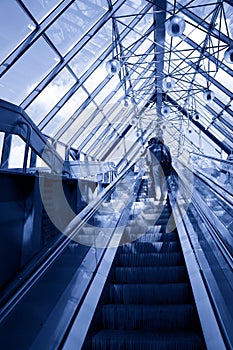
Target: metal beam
x=215, y=32
x=222, y=145
x=159, y=38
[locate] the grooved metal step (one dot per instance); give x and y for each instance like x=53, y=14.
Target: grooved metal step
x=151, y=259
x=166, y=293
x=158, y=236
x=149, y=317
x=145, y=340
x=150, y=247
x=151, y=274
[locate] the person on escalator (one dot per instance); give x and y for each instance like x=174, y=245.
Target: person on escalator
x=160, y=162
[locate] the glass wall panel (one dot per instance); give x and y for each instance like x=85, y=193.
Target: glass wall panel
x=16, y=152
x=27, y=72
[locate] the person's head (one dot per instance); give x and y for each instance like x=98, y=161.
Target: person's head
x=152, y=140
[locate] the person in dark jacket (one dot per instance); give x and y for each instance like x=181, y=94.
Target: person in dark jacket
x=160, y=162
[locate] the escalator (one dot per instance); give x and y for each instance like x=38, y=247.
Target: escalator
x=138, y=294
x=149, y=303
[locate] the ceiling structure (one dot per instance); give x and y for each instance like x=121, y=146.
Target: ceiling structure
x=53, y=65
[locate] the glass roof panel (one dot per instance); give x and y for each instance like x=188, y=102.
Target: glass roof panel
x=108, y=88
x=27, y=72
x=128, y=9
x=39, y=8
x=95, y=137
x=61, y=77
x=12, y=35
x=70, y=27
x=229, y=17
x=50, y=96
x=66, y=112
x=77, y=123
x=95, y=78
x=201, y=8
x=92, y=50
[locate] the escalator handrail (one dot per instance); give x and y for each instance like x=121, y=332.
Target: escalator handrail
x=209, y=218
x=209, y=181
x=228, y=196
x=199, y=256
x=13, y=120
x=209, y=323
x=225, y=161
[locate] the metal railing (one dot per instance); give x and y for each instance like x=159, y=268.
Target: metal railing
x=205, y=237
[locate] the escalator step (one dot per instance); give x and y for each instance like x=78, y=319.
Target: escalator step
x=149, y=317
x=159, y=237
x=169, y=293
x=151, y=237
x=150, y=247
x=168, y=274
x=144, y=340
x=153, y=259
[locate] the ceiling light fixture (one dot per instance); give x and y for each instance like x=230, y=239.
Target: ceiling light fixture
x=208, y=95
x=168, y=83
x=165, y=110
x=228, y=55
x=113, y=66
x=175, y=26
